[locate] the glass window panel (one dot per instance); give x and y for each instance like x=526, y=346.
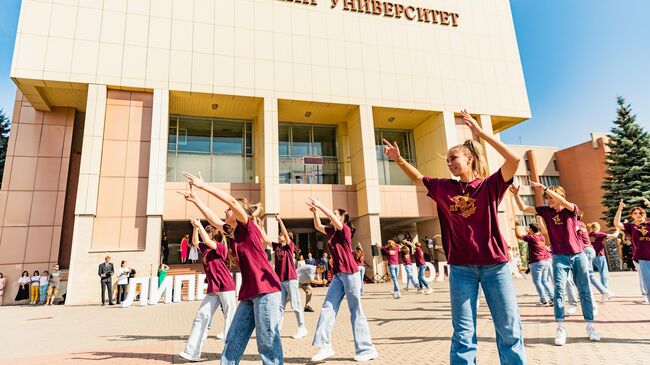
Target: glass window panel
x=171, y=137
x=228, y=137
x=324, y=141
x=192, y=162
x=249, y=173
x=381, y=171
x=228, y=168
x=171, y=166
x=283, y=137
x=194, y=135
x=402, y=142
x=301, y=141
x=528, y=200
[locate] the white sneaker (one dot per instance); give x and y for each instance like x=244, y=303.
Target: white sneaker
x=188, y=357
x=571, y=309
x=399, y=295
x=366, y=357
x=593, y=335
x=428, y=291
x=394, y=295
x=645, y=300
x=323, y=354
x=302, y=332
x=595, y=310
x=560, y=336
x=607, y=296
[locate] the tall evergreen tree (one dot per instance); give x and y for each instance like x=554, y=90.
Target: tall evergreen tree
x=628, y=163
x=5, y=125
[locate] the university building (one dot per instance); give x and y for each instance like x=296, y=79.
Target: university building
x=271, y=100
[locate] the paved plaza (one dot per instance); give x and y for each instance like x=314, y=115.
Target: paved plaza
x=415, y=329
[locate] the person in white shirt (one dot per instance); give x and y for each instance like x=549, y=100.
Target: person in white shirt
x=122, y=281
x=44, y=281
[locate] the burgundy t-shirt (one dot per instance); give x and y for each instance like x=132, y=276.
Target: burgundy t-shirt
x=598, y=241
x=216, y=270
x=257, y=274
x=562, y=229
x=284, y=266
x=359, y=260
x=341, y=250
x=536, y=248
x=419, y=256
x=583, y=233
x=468, y=220
x=640, y=237
x=391, y=255
x=405, y=256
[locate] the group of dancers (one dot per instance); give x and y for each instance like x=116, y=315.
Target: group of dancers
x=477, y=254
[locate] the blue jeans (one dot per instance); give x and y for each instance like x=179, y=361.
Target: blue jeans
x=644, y=265
x=591, y=255
x=577, y=264
x=423, y=281
x=540, y=270
x=603, y=269
x=362, y=275
x=262, y=314
x=290, y=292
x=409, y=276
x=500, y=295
x=394, y=273
x=344, y=285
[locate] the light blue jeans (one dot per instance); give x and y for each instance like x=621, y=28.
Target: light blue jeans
x=290, y=292
x=362, y=275
x=500, y=295
x=410, y=278
x=262, y=314
x=423, y=281
x=603, y=269
x=540, y=270
x=577, y=265
x=394, y=274
x=591, y=255
x=344, y=285
x=637, y=265
x=644, y=265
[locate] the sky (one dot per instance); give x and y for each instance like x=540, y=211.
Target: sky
x=577, y=56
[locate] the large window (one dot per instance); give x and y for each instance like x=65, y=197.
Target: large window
x=222, y=150
x=549, y=180
x=308, y=154
x=389, y=172
x=522, y=180
x=528, y=200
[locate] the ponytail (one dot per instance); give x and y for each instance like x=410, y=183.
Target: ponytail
x=346, y=219
x=479, y=167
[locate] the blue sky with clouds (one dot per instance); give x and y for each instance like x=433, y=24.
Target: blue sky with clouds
x=577, y=56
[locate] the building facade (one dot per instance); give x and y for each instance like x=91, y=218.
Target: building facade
x=271, y=100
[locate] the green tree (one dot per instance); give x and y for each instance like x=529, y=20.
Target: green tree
x=5, y=125
x=628, y=162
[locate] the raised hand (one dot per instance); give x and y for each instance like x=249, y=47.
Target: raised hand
x=311, y=206
x=195, y=180
x=471, y=123
x=514, y=189
x=537, y=186
x=195, y=222
x=315, y=202
x=391, y=150
x=621, y=204
x=646, y=201
x=190, y=194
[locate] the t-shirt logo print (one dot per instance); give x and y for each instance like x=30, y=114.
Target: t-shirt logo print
x=644, y=231
x=463, y=204
x=557, y=219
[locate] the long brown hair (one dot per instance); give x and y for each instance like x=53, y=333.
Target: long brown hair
x=473, y=148
x=346, y=219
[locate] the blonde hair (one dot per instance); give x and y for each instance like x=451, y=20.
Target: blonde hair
x=473, y=148
x=595, y=226
x=248, y=207
x=391, y=243
x=556, y=189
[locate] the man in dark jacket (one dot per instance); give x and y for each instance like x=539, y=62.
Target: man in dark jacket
x=105, y=272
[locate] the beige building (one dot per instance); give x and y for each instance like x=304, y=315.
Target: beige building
x=271, y=100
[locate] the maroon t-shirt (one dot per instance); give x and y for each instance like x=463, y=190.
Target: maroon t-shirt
x=216, y=270
x=468, y=219
x=359, y=260
x=536, y=248
x=284, y=266
x=405, y=256
x=419, y=256
x=562, y=229
x=583, y=233
x=257, y=274
x=598, y=241
x=640, y=237
x=391, y=255
x=340, y=245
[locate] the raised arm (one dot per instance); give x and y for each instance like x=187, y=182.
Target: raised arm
x=283, y=230
x=260, y=226
x=334, y=220
x=231, y=202
x=392, y=152
x=563, y=201
x=317, y=223
x=509, y=167
x=209, y=214
x=200, y=230
x=517, y=234
x=617, y=216
x=195, y=234
x=615, y=234
x=514, y=189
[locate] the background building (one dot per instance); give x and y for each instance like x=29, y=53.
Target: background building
x=271, y=100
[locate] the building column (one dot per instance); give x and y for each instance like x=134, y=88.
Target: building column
x=534, y=175
x=363, y=162
x=268, y=161
x=86, y=204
